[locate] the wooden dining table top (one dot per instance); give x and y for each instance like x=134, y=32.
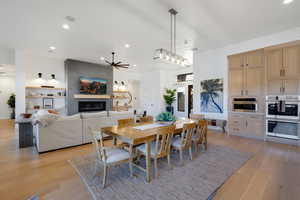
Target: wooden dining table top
x=136, y=136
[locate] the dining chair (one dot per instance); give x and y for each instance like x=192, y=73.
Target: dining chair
x=160, y=147
x=125, y=122
x=200, y=134
x=109, y=156
x=146, y=119
x=184, y=141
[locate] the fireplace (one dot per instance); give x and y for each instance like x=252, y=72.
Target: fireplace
x=89, y=106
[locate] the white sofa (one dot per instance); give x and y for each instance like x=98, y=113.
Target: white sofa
x=100, y=120
x=73, y=130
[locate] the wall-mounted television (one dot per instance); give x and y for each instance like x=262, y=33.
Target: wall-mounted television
x=94, y=86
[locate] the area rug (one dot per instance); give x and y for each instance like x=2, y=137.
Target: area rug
x=198, y=179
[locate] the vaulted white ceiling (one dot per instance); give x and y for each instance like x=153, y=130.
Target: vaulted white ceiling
x=103, y=26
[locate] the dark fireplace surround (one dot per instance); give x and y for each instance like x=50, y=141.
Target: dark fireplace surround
x=91, y=106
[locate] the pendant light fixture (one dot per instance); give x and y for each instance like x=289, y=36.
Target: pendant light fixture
x=170, y=55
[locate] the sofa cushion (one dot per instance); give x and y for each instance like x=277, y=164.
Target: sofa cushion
x=93, y=115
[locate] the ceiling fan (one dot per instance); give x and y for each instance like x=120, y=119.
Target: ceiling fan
x=117, y=65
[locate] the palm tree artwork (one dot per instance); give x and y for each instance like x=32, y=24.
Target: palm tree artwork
x=212, y=95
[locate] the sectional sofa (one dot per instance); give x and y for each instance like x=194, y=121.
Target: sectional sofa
x=73, y=130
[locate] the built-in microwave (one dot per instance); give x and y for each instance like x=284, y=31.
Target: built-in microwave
x=283, y=129
x=244, y=105
x=283, y=107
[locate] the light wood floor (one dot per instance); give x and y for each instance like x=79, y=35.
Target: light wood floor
x=272, y=174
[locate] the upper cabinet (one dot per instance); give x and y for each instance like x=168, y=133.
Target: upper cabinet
x=255, y=59
x=291, y=62
x=246, y=74
x=236, y=61
x=283, y=69
x=274, y=63
x=283, y=63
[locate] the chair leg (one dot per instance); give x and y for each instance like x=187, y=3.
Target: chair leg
x=191, y=153
x=155, y=168
x=131, y=160
x=105, y=169
x=169, y=160
x=95, y=170
x=181, y=156
x=205, y=143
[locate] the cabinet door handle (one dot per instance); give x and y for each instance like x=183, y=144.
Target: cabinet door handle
x=283, y=90
x=242, y=92
x=246, y=123
x=283, y=72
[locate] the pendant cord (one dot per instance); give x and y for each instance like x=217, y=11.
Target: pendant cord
x=171, y=32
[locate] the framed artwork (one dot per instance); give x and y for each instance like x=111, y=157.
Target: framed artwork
x=212, y=96
x=48, y=103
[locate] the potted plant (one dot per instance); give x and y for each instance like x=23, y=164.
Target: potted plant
x=11, y=102
x=169, y=98
x=166, y=117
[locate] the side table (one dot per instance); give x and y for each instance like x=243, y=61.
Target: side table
x=25, y=132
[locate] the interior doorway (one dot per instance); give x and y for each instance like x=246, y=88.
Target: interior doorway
x=190, y=99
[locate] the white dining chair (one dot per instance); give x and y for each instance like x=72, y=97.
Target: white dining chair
x=109, y=156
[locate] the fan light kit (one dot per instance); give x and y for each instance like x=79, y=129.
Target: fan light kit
x=170, y=55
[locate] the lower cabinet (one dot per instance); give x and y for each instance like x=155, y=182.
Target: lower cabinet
x=247, y=125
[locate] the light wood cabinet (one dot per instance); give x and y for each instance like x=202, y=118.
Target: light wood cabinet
x=255, y=59
x=254, y=81
x=236, y=82
x=246, y=74
x=291, y=62
x=247, y=125
x=283, y=70
x=274, y=63
x=236, y=61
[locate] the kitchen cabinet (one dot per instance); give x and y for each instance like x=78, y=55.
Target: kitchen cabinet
x=247, y=125
x=236, y=82
x=246, y=74
x=291, y=62
x=283, y=63
x=236, y=61
x=254, y=81
x=274, y=63
x=283, y=87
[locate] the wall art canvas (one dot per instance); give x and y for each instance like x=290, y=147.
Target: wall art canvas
x=212, y=96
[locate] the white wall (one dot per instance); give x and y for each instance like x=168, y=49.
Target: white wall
x=27, y=68
x=7, y=87
x=213, y=63
x=7, y=56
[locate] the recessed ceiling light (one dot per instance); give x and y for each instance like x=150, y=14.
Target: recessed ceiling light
x=52, y=48
x=287, y=1
x=127, y=45
x=134, y=65
x=102, y=58
x=66, y=26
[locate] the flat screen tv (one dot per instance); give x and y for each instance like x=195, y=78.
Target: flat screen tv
x=94, y=86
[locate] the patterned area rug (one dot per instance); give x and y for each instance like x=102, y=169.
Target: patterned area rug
x=198, y=179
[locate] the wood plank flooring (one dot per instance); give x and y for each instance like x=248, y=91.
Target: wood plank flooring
x=272, y=174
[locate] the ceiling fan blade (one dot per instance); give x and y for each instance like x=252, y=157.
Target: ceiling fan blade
x=118, y=63
x=124, y=65
x=108, y=62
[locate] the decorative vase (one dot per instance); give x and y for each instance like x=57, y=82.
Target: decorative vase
x=170, y=109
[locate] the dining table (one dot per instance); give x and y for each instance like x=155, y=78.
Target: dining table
x=142, y=133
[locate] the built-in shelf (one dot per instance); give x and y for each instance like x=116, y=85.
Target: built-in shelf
x=121, y=108
x=43, y=88
x=90, y=96
x=37, y=97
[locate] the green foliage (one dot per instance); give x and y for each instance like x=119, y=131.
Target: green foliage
x=166, y=117
x=12, y=101
x=169, y=97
